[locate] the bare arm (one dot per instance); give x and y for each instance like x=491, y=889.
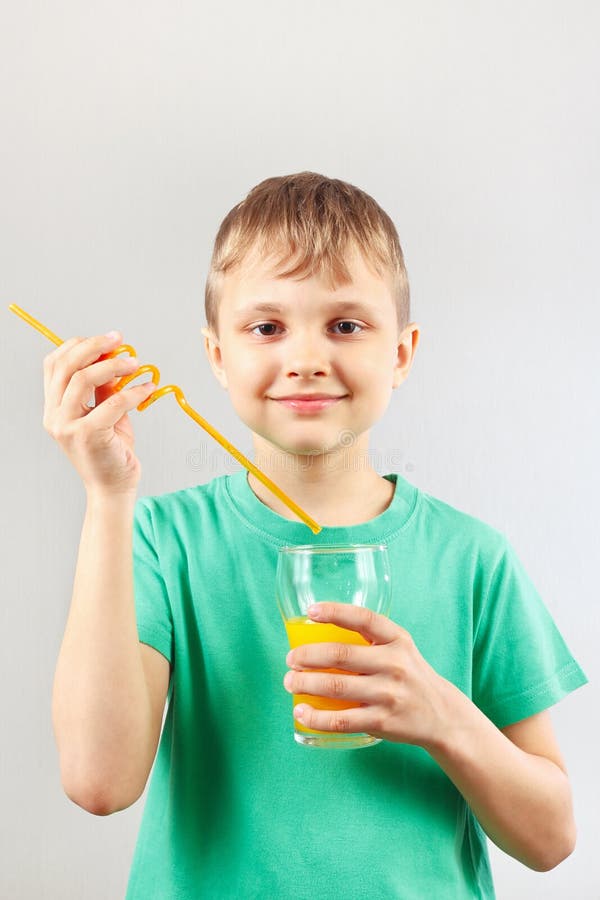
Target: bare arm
x=106, y=718
x=515, y=782
x=513, y=779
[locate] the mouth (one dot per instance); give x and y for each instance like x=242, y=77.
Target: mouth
x=307, y=404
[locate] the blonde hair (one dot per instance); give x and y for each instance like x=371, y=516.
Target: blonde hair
x=316, y=219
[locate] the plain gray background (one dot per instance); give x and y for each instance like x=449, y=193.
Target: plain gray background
x=128, y=132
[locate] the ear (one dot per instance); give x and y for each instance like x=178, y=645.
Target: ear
x=213, y=352
x=407, y=346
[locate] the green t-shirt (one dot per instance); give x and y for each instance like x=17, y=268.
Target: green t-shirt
x=235, y=807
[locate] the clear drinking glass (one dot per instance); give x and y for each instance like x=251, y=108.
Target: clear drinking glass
x=353, y=573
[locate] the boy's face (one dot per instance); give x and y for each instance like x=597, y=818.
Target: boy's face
x=307, y=346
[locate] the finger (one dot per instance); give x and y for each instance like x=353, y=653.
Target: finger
x=62, y=348
x=348, y=721
x=331, y=684
x=375, y=628
x=349, y=657
x=84, y=382
x=124, y=381
x=53, y=357
x=106, y=388
x=110, y=411
x=75, y=354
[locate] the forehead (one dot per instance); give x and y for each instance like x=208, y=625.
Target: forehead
x=258, y=285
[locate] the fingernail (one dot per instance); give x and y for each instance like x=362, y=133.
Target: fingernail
x=111, y=335
x=287, y=681
x=314, y=612
x=299, y=712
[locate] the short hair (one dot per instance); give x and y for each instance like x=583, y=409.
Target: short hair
x=311, y=221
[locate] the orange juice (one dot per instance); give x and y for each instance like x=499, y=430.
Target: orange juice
x=303, y=630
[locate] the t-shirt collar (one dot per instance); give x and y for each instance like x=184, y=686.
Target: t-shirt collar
x=260, y=518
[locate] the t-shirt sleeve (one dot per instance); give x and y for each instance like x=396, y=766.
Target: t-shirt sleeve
x=152, y=607
x=521, y=663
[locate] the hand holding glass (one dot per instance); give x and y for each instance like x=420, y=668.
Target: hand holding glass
x=355, y=573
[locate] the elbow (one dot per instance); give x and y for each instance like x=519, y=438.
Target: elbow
x=96, y=806
x=556, y=853
x=557, y=840
x=96, y=802
x=100, y=794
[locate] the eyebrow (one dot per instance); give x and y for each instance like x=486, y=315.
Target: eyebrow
x=347, y=305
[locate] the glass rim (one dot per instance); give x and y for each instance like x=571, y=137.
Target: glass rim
x=330, y=548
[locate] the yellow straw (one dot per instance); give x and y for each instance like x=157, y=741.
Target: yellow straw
x=173, y=389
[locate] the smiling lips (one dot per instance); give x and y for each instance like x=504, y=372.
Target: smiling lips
x=314, y=396
x=308, y=403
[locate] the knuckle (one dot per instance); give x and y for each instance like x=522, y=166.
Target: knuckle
x=64, y=432
x=370, y=617
x=405, y=638
x=49, y=360
x=388, y=698
x=82, y=375
x=336, y=686
x=398, y=672
x=377, y=720
x=339, y=722
x=342, y=653
x=72, y=342
x=49, y=425
x=53, y=355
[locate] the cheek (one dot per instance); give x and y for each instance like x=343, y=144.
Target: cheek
x=246, y=403
x=371, y=377
x=248, y=383
x=380, y=371
x=242, y=367
x=376, y=389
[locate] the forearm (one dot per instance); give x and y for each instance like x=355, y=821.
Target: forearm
x=522, y=801
x=101, y=705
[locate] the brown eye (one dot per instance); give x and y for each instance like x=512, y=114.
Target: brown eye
x=348, y=328
x=352, y=325
x=265, y=325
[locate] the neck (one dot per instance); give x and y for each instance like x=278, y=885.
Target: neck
x=338, y=489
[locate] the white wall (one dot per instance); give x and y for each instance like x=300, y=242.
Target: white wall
x=128, y=131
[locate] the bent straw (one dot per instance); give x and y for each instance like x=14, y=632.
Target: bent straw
x=173, y=389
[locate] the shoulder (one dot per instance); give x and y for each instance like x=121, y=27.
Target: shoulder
x=181, y=507
x=184, y=497
x=441, y=521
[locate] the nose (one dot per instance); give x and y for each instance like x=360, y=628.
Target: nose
x=308, y=356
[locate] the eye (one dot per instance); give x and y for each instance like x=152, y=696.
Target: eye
x=353, y=324
x=271, y=325
x=264, y=325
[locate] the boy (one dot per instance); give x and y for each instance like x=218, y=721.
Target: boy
x=307, y=306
